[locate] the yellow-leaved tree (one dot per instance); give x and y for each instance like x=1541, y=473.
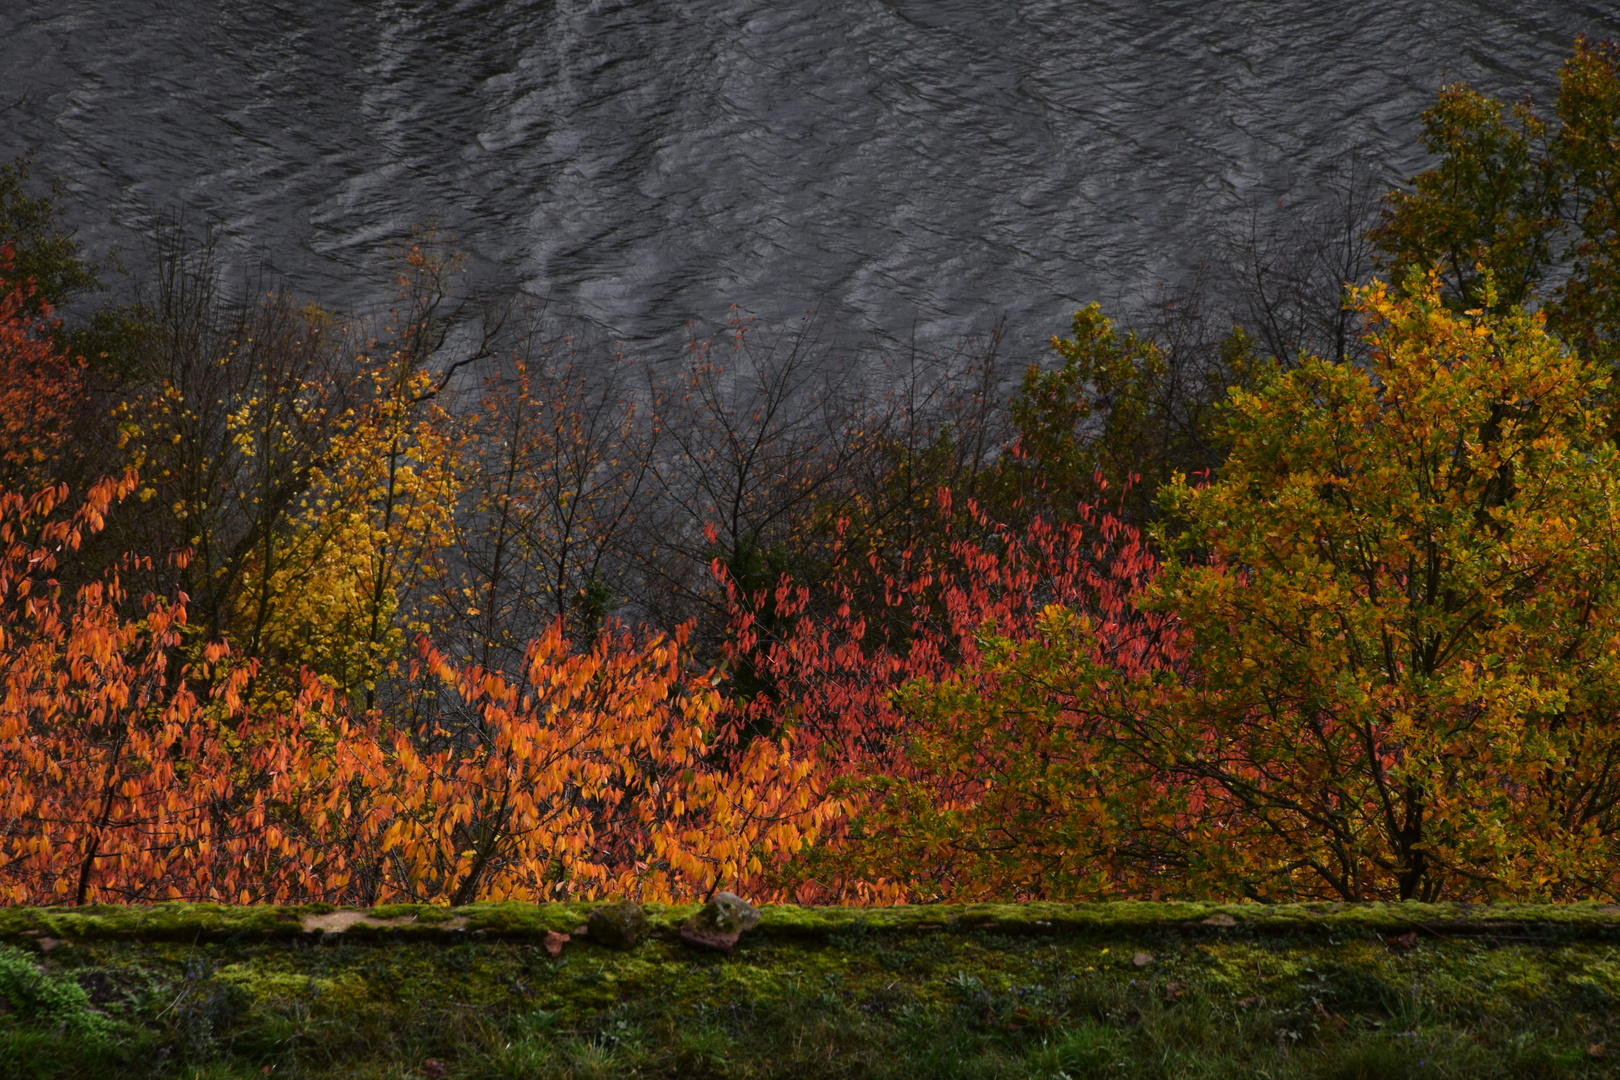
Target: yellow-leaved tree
x=333, y=593
x=1388, y=666
x=1403, y=594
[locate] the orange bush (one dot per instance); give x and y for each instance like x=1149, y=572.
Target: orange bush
x=130, y=777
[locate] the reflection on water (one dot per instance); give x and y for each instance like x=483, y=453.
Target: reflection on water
x=911, y=163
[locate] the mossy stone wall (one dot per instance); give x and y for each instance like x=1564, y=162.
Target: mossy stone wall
x=987, y=990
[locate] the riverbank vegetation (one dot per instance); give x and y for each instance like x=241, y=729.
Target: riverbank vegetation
x=1041, y=991
x=1306, y=592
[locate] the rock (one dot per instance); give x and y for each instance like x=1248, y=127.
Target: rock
x=720, y=923
x=1220, y=918
x=555, y=942
x=707, y=937
x=46, y=944
x=1142, y=959
x=730, y=912
x=618, y=926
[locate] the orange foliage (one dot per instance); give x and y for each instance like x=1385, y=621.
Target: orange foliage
x=129, y=777
x=92, y=728
x=586, y=777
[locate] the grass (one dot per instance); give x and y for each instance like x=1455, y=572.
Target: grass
x=936, y=993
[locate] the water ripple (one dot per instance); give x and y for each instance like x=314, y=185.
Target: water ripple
x=911, y=163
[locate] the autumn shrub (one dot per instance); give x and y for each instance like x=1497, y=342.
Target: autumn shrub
x=98, y=736
x=932, y=805
x=133, y=774
x=584, y=777
x=1396, y=615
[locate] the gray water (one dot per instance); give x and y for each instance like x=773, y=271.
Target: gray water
x=907, y=165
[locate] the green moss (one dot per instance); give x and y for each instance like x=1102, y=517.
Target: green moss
x=157, y=922
x=986, y=990
x=525, y=920
x=264, y=985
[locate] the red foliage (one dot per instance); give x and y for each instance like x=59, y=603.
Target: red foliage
x=831, y=679
x=39, y=386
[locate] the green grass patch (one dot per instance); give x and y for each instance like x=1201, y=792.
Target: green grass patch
x=991, y=991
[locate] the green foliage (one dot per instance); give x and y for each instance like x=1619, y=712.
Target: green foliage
x=1517, y=199
x=1491, y=202
x=116, y=339
x=1586, y=154
x=36, y=995
x=519, y=922
x=1107, y=383
x=1051, y=795
x=115, y=336
x=31, y=224
x=1117, y=419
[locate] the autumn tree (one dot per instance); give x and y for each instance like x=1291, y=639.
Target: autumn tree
x=232, y=409
x=1402, y=599
x=556, y=478
x=1491, y=203
x=1586, y=155
x=754, y=440
x=351, y=579
x=1523, y=199
x=1122, y=412
x=307, y=472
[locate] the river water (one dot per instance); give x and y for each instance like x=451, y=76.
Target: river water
x=901, y=166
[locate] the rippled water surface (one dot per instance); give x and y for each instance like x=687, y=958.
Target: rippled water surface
x=914, y=163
